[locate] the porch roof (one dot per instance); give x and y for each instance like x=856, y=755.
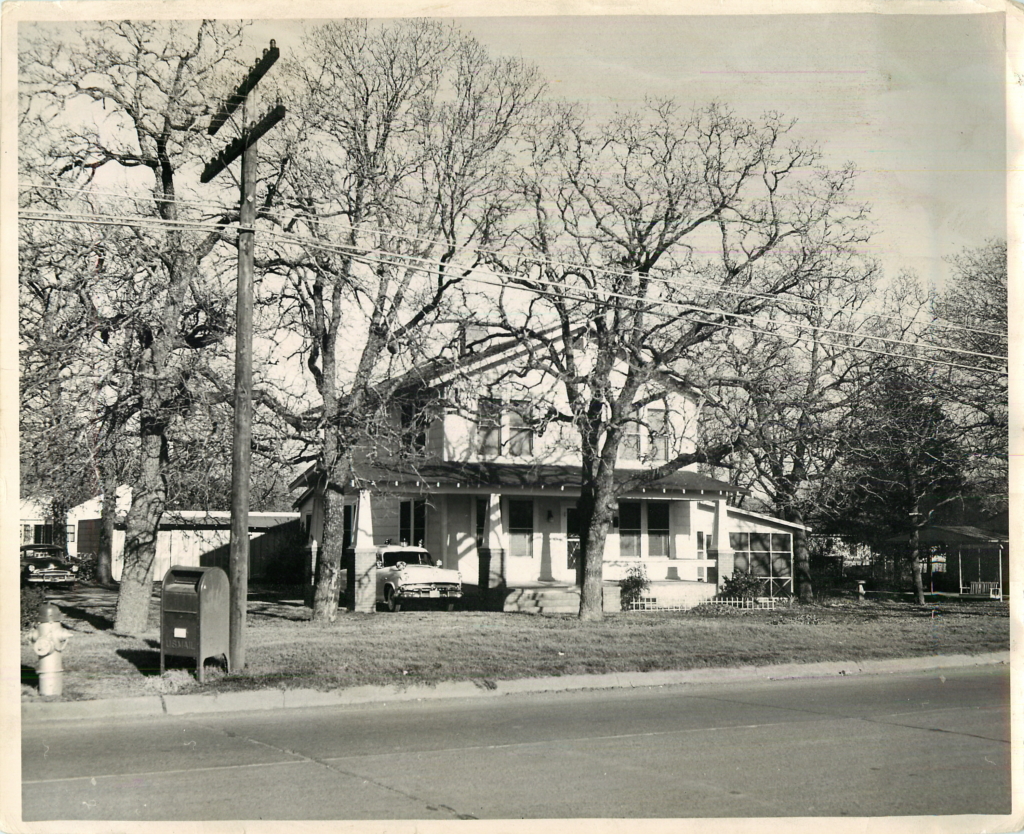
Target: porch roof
x=483, y=477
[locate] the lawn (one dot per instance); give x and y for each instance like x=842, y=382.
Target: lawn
x=284, y=649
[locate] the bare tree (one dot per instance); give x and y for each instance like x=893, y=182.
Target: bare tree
x=793, y=384
x=661, y=235
x=972, y=324
x=130, y=96
x=397, y=162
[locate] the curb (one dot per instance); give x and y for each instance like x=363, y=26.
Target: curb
x=266, y=699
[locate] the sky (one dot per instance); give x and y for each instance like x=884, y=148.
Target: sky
x=916, y=102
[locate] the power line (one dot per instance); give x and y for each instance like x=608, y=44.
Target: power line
x=599, y=270
x=361, y=255
x=500, y=283
x=522, y=283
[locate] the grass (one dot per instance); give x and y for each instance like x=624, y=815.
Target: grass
x=285, y=649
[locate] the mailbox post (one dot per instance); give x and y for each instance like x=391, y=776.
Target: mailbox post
x=194, y=604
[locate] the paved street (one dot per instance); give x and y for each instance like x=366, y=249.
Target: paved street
x=921, y=743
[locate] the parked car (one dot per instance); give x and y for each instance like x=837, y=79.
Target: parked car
x=409, y=573
x=47, y=564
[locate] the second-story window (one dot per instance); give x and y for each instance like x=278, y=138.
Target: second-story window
x=520, y=429
x=657, y=441
x=630, y=447
x=504, y=428
x=488, y=427
x=414, y=425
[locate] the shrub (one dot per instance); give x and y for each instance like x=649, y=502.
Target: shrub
x=87, y=567
x=741, y=586
x=633, y=585
x=31, y=598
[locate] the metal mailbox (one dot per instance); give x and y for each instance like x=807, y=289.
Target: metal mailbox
x=194, y=605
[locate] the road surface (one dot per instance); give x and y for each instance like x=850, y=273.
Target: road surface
x=921, y=743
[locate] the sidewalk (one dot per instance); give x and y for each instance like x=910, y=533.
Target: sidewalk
x=265, y=699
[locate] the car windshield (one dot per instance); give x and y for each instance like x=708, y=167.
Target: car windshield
x=410, y=557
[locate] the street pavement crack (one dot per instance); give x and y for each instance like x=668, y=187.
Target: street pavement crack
x=334, y=769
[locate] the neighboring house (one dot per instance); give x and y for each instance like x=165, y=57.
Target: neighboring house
x=193, y=537
x=962, y=558
x=493, y=487
x=36, y=522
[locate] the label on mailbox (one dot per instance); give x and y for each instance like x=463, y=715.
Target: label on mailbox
x=181, y=632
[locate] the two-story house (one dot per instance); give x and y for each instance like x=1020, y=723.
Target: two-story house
x=493, y=486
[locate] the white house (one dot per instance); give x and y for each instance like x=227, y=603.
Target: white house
x=494, y=488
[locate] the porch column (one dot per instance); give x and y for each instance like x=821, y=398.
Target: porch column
x=492, y=554
x=720, y=549
x=362, y=580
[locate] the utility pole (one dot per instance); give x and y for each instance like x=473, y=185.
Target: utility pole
x=241, y=446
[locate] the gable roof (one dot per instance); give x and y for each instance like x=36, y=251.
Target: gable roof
x=500, y=348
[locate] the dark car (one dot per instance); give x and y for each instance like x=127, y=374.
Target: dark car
x=47, y=564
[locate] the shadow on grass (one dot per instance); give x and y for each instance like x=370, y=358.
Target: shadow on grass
x=147, y=661
x=97, y=621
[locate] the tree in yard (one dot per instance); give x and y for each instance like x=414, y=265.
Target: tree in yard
x=903, y=459
x=794, y=384
x=653, y=240
x=972, y=325
x=119, y=107
x=396, y=161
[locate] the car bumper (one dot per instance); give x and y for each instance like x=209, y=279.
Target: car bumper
x=428, y=593
x=51, y=578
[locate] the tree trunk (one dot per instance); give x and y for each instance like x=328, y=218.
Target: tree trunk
x=801, y=558
x=141, y=526
x=329, y=560
x=915, y=564
x=802, y=566
x=595, y=505
x=59, y=522
x=108, y=517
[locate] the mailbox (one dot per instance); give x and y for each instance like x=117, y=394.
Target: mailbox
x=194, y=606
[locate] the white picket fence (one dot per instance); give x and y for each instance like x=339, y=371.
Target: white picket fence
x=760, y=603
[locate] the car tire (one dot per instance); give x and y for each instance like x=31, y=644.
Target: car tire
x=391, y=602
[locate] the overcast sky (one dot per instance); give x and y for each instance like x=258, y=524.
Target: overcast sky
x=915, y=101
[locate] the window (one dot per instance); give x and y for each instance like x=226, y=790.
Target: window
x=347, y=517
x=412, y=522
x=520, y=428
x=658, y=529
x=703, y=544
x=481, y=518
x=629, y=529
x=488, y=427
x=629, y=449
x=762, y=554
x=69, y=534
x=414, y=425
x=657, y=421
x=520, y=528
x=504, y=428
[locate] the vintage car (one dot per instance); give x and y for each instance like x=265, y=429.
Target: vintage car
x=47, y=564
x=407, y=573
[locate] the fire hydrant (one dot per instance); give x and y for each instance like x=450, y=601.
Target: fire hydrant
x=49, y=639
